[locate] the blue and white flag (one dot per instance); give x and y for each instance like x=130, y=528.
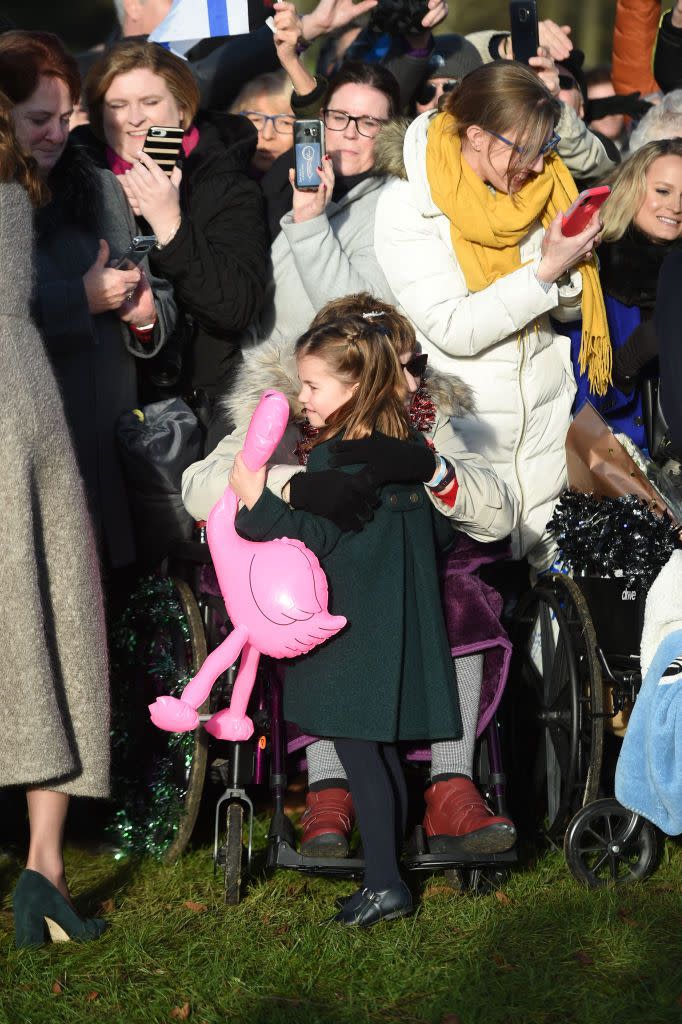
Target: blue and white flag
x=190, y=21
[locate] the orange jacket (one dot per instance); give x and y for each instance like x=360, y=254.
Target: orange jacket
x=634, y=38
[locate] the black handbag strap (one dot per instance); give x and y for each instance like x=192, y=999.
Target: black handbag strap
x=657, y=432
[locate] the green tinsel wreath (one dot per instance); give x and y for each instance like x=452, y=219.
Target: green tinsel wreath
x=150, y=654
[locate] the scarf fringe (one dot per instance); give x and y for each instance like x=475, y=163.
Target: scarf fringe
x=596, y=357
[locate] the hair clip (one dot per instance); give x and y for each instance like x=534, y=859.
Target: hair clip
x=370, y=316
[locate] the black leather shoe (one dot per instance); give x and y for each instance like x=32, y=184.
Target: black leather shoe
x=368, y=907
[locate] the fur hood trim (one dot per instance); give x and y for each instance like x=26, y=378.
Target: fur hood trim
x=76, y=192
x=272, y=365
x=388, y=149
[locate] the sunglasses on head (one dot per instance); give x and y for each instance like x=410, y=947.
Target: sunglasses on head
x=416, y=366
x=428, y=90
x=567, y=82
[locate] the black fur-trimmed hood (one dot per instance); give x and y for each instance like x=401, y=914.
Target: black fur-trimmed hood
x=272, y=364
x=76, y=192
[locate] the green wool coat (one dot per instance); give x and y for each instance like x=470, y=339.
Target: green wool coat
x=388, y=675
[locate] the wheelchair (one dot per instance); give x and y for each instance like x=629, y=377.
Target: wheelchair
x=166, y=773
x=577, y=675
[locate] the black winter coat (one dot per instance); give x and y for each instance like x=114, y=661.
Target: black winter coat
x=668, y=55
x=94, y=357
x=218, y=261
x=669, y=331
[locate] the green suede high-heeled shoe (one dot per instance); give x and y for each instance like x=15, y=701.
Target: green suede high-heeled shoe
x=39, y=906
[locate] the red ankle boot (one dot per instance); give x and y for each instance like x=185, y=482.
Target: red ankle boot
x=458, y=818
x=327, y=823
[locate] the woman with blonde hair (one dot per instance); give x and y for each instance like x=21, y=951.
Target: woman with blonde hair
x=642, y=221
x=208, y=216
x=476, y=204
x=54, y=702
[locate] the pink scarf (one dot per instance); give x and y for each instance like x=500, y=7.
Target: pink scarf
x=119, y=166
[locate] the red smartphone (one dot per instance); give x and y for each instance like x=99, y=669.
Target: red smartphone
x=580, y=213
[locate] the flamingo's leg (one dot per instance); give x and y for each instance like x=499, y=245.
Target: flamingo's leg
x=232, y=723
x=180, y=715
x=218, y=661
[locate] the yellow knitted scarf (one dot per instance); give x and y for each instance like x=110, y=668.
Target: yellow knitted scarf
x=486, y=228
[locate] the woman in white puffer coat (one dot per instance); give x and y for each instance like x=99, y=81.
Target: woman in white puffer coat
x=468, y=234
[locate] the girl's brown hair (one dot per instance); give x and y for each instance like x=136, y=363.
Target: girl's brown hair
x=396, y=327
x=628, y=186
x=505, y=97
x=14, y=164
x=360, y=350
x=129, y=56
x=25, y=56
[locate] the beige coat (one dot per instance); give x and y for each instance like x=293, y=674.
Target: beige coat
x=54, y=700
x=485, y=508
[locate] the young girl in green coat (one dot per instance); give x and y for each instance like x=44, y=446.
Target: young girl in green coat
x=389, y=675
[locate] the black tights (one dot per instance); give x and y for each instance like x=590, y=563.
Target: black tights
x=377, y=785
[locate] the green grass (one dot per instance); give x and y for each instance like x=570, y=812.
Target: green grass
x=542, y=951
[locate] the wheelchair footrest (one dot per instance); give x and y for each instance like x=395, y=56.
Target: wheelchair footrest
x=440, y=861
x=282, y=855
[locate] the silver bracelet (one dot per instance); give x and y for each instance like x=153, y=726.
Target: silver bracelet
x=162, y=245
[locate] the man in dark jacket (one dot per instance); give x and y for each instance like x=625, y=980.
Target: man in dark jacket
x=222, y=66
x=668, y=52
x=669, y=334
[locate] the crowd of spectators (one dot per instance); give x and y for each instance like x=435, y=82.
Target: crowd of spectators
x=447, y=169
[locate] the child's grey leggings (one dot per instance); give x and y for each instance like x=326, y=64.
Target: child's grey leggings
x=447, y=756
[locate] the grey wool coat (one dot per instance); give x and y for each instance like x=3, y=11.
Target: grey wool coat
x=388, y=675
x=54, y=700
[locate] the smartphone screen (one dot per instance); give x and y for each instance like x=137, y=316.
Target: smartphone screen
x=308, y=153
x=523, y=17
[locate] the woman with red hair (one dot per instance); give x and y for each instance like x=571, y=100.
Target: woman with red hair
x=54, y=701
x=97, y=322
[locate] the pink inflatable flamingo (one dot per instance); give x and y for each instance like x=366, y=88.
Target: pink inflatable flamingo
x=275, y=593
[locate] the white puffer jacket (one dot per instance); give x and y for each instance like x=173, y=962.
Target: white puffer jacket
x=499, y=341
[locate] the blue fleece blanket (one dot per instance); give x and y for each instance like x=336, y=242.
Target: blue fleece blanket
x=649, y=771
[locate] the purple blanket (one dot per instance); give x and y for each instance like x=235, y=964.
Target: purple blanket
x=472, y=610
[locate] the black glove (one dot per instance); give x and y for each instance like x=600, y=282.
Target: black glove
x=388, y=459
x=345, y=498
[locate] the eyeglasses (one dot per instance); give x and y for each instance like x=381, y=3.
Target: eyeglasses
x=429, y=90
x=338, y=120
x=551, y=144
x=416, y=366
x=282, y=123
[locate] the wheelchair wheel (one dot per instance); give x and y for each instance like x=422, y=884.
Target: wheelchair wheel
x=158, y=777
x=557, y=725
x=196, y=654
x=233, y=853
x=599, y=852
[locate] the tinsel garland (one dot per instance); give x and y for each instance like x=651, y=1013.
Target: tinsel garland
x=611, y=537
x=150, y=768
